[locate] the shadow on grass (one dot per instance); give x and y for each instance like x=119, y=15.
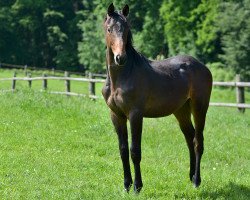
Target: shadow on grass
x=230, y=191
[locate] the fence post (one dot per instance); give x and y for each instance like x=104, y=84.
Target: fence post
x=67, y=82
x=29, y=81
x=240, y=93
x=45, y=81
x=25, y=70
x=91, y=85
x=13, y=82
x=53, y=71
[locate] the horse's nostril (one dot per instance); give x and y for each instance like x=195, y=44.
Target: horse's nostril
x=118, y=58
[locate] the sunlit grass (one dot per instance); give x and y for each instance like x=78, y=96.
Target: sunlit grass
x=57, y=147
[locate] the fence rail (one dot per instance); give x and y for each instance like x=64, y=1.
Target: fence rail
x=232, y=84
x=237, y=105
x=240, y=93
x=238, y=84
x=66, y=78
x=53, y=78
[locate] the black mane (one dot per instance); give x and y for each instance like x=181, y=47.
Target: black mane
x=129, y=39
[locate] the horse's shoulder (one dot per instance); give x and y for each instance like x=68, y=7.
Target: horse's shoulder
x=117, y=101
x=106, y=90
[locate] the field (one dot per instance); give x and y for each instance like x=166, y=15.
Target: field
x=58, y=147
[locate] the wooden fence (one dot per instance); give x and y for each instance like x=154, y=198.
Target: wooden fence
x=240, y=93
x=240, y=87
x=66, y=78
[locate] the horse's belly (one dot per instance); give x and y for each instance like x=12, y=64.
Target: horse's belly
x=164, y=106
x=160, y=111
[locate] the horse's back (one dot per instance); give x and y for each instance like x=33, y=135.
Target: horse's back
x=175, y=80
x=198, y=75
x=184, y=66
x=179, y=62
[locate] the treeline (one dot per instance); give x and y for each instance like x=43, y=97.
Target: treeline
x=68, y=35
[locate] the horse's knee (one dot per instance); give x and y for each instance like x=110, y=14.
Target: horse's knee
x=135, y=154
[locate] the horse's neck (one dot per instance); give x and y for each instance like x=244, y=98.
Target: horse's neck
x=115, y=72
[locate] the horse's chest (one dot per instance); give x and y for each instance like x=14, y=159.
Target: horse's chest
x=118, y=101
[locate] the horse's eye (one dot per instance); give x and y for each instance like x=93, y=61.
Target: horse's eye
x=109, y=30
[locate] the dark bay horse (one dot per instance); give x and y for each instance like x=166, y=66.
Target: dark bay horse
x=137, y=87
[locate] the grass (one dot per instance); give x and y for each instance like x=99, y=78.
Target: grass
x=56, y=147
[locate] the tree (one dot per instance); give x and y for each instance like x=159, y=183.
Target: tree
x=8, y=38
x=177, y=26
x=190, y=27
x=234, y=28
x=42, y=34
x=91, y=50
x=204, y=18
x=61, y=19
x=150, y=40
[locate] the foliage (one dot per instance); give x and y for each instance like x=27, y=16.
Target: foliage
x=176, y=16
x=235, y=36
x=205, y=16
x=150, y=40
x=219, y=73
x=189, y=28
x=42, y=34
x=69, y=34
x=91, y=50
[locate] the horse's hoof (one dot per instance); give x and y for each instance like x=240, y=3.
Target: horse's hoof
x=127, y=185
x=127, y=188
x=196, y=181
x=137, y=188
x=191, y=176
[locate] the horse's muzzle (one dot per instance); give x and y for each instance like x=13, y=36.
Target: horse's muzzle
x=120, y=59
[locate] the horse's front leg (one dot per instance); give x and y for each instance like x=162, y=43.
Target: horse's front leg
x=120, y=124
x=136, y=120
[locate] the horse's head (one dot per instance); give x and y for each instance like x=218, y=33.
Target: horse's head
x=116, y=31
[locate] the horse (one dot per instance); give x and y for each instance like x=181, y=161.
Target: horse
x=137, y=87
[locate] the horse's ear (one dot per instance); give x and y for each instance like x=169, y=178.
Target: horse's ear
x=125, y=10
x=111, y=9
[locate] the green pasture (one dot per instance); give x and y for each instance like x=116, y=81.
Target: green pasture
x=58, y=147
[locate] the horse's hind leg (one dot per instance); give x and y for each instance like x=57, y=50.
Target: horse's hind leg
x=199, y=109
x=183, y=116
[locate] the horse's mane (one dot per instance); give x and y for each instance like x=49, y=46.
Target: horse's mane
x=130, y=39
x=137, y=56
